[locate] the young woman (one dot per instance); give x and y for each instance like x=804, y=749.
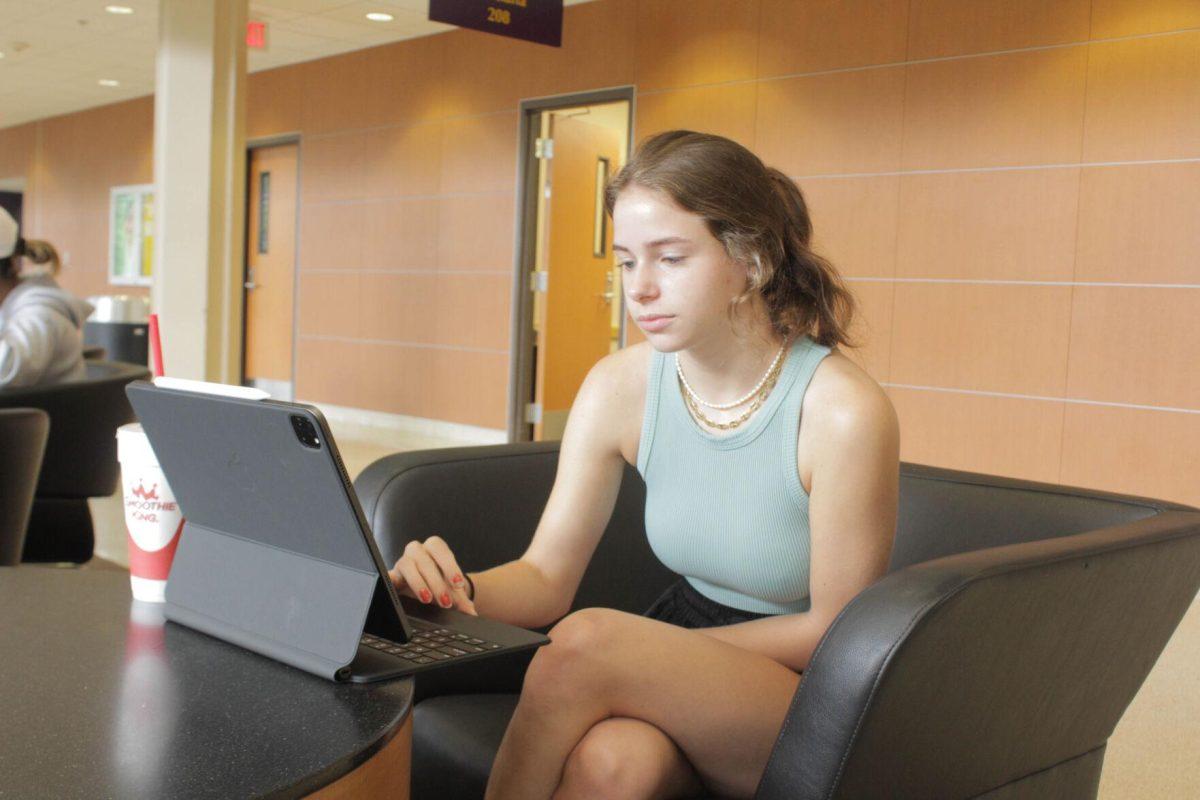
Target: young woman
x=41, y=326
x=775, y=524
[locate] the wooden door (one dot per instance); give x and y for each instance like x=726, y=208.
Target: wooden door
x=576, y=328
x=270, y=263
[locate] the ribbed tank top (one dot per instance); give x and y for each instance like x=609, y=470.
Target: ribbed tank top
x=729, y=512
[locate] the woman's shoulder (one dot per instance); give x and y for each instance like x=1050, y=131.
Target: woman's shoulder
x=843, y=395
x=614, y=394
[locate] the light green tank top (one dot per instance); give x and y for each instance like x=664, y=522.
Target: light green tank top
x=728, y=512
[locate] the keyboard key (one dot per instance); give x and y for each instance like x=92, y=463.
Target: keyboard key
x=423, y=660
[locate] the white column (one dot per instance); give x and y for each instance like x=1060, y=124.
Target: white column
x=200, y=186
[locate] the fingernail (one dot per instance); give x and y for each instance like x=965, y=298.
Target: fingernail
x=426, y=596
x=457, y=579
x=446, y=600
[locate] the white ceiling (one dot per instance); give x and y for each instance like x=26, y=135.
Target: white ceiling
x=55, y=52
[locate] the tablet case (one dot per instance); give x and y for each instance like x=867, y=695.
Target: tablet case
x=286, y=571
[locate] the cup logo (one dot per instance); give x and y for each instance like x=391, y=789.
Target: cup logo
x=152, y=519
x=140, y=491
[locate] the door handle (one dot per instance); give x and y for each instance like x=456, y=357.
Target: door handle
x=250, y=285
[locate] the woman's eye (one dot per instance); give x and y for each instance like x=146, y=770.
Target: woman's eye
x=625, y=265
x=673, y=259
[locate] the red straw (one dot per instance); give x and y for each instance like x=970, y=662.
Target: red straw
x=156, y=347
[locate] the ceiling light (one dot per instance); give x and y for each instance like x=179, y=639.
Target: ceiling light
x=118, y=9
x=379, y=16
x=108, y=82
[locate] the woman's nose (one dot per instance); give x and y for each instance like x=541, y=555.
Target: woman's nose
x=640, y=284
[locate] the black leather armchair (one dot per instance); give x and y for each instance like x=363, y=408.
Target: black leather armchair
x=81, y=455
x=23, y=433
x=1016, y=624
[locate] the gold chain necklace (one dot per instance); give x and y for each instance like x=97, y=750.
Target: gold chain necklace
x=759, y=399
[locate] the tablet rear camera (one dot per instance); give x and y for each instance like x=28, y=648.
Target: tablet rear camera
x=306, y=432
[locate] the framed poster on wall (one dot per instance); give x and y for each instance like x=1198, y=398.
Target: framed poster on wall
x=131, y=235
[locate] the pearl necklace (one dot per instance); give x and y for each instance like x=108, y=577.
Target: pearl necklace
x=761, y=398
x=726, y=406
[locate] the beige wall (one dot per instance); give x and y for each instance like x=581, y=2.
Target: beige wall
x=1011, y=187
x=69, y=164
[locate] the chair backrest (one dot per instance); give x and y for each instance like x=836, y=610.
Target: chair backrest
x=81, y=455
x=1000, y=667
x=23, y=433
x=486, y=503
x=945, y=511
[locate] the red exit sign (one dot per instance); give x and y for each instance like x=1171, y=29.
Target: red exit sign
x=256, y=35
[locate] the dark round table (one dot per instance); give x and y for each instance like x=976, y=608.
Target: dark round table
x=100, y=698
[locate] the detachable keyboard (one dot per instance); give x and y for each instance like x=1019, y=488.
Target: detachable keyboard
x=430, y=644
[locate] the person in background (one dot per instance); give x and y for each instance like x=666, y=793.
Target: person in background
x=41, y=325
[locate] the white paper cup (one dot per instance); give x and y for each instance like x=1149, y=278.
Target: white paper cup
x=152, y=516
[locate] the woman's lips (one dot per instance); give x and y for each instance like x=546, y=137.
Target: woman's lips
x=653, y=323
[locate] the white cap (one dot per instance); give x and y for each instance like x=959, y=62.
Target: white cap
x=8, y=234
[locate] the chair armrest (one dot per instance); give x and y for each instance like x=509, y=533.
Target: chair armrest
x=955, y=676
x=486, y=503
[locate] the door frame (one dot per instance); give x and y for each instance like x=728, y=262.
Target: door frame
x=258, y=143
x=520, y=383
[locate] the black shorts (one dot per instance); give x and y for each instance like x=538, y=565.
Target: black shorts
x=683, y=606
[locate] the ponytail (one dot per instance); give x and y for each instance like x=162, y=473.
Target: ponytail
x=35, y=250
x=40, y=252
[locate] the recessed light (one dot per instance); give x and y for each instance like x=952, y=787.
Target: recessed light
x=118, y=9
x=108, y=82
x=379, y=16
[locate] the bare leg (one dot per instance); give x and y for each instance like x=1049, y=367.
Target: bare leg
x=721, y=705
x=627, y=759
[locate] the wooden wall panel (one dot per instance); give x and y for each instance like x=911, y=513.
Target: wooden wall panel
x=274, y=100
x=1003, y=110
x=401, y=233
x=476, y=232
x=1006, y=225
x=332, y=167
x=399, y=380
x=331, y=236
x=1132, y=345
x=405, y=83
x=726, y=110
x=832, y=123
x=331, y=371
x=329, y=303
x=1112, y=18
x=1138, y=224
x=998, y=338
x=854, y=222
x=479, y=154
x=1134, y=451
x=872, y=327
x=691, y=42
x=80, y=157
x=401, y=161
x=1142, y=98
x=470, y=387
x=815, y=35
x=940, y=28
x=472, y=310
x=995, y=435
x=335, y=96
x=17, y=146
x=399, y=308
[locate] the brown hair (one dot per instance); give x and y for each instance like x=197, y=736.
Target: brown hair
x=759, y=216
x=37, y=251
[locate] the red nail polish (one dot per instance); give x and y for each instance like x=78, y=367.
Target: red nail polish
x=457, y=579
x=426, y=596
x=446, y=600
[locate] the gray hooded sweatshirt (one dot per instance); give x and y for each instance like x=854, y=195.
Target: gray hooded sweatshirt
x=41, y=334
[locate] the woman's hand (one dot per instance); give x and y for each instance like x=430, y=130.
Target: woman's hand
x=429, y=572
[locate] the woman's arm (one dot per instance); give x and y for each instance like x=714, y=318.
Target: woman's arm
x=853, y=504
x=27, y=344
x=538, y=588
